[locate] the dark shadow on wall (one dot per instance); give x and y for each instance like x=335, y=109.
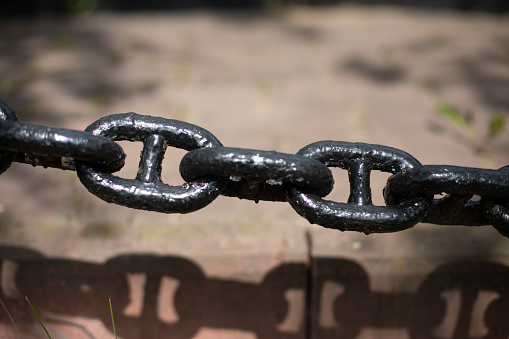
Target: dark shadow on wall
x=168, y=296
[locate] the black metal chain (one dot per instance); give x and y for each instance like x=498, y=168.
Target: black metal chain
x=301, y=179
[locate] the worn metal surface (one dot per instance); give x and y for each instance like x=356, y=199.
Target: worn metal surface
x=302, y=179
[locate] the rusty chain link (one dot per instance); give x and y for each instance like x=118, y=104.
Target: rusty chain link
x=301, y=179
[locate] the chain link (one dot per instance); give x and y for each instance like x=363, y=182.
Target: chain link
x=301, y=179
x=47, y=146
x=147, y=191
x=257, y=175
x=358, y=214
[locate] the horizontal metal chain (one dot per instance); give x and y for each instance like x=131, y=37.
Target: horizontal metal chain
x=302, y=179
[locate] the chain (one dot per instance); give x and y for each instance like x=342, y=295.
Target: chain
x=302, y=179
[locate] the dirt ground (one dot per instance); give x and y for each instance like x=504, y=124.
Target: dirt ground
x=272, y=82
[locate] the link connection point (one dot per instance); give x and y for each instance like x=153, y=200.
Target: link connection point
x=302, y=179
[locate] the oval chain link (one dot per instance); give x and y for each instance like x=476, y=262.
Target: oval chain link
x=257, y=175
x=147, y=191
x=50, y=146
x=358, y=214
x=57, y=147
x=460, y=183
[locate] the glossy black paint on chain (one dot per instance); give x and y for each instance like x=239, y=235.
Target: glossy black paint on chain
x=460, y=183
x=304, y=178
x=358, y=214
x=6, y=157
x=454, y=209
x=437, y=179
x=496, y=210
x=137, y=127
x=48, y=145
x=147, y=191
x=257, y=175
x=497, y=214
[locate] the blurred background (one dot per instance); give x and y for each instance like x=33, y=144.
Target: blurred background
x=428, y=77
x=73, y=6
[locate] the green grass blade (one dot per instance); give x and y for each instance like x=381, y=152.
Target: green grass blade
x=497, y=123
x=10, y=318
x=452, y=114
x=33, y=309
x=112, y=320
